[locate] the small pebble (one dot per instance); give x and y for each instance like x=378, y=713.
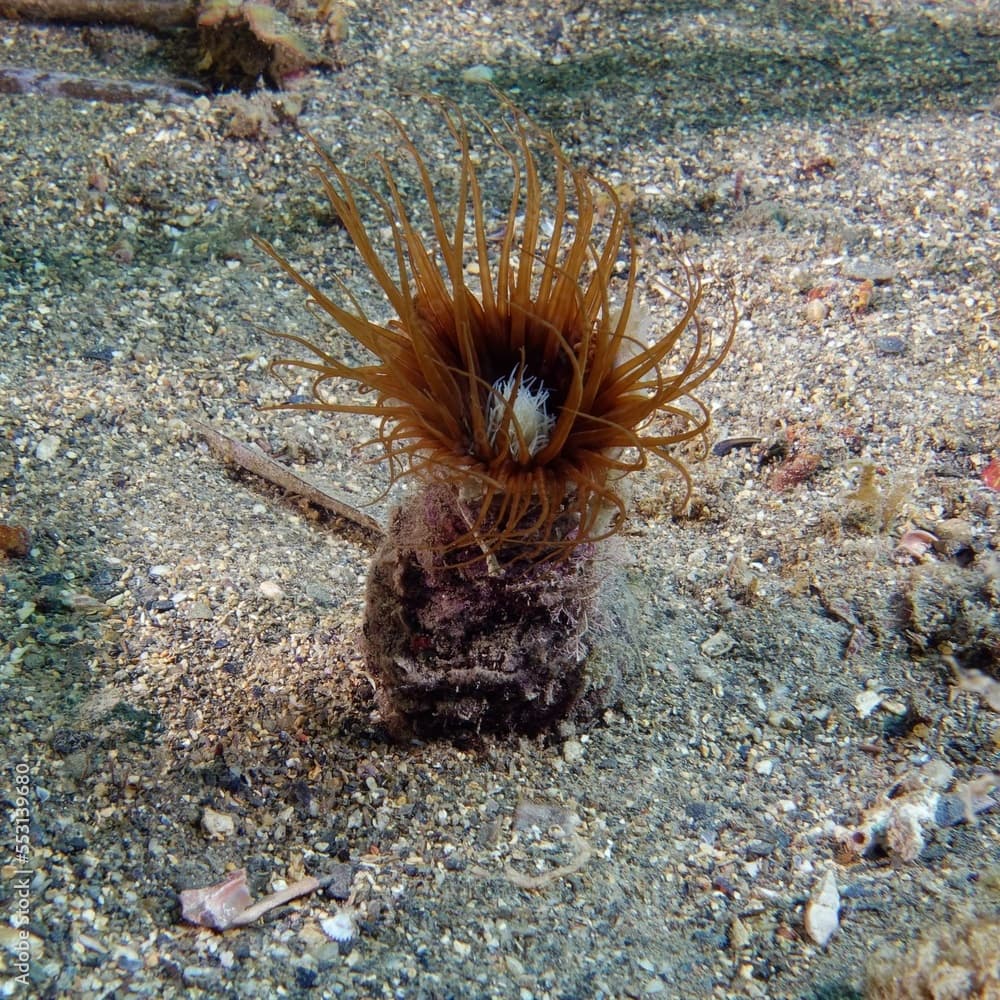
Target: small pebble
x=816, y=310
x=878, y=271
x=866, y=702
x=890, y=345
x=217, y=824
x=718, y=644
x=477, y=74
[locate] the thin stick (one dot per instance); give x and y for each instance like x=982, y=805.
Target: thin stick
x=48, y=83
x=250, y=458
x=301, y=888
x=157, y=15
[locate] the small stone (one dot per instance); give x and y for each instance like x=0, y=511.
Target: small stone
x=816, y=310
x=867, y=701
x=305, y=976
x=47, y=448
x=739, y=934
x=757, y=849
x=217, y=824
x=15, y=540
x=477, y=74
x=800, y=279
x=572, y=751
x=201, y=611
x=890, y=345
x=878, y=271
x=544, y=815
x=779, y=719
x=718, y=644
x=271, y=590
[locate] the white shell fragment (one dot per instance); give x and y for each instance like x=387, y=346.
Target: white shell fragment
x=342, y=926
x=867, y=701
x=823, y=910
x=48, y=447
x=271, y=590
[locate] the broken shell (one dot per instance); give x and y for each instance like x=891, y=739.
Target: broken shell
x=341, y=926
x=217, y=906
x=867, y=701
x=914, y=545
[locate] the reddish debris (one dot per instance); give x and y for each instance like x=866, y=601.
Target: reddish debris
x=991, y=474
x=796, y=470
x=15, y=540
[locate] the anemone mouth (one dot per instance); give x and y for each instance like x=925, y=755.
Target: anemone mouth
x=517, y=416
x=523, y=386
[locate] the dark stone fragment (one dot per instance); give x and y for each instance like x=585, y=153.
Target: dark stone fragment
x=305, y=977
x=67, y=741
x=99, y=353
x=758, y=849
x=890, y=345
x=339, y=884
x=71, y=842
x=699, y=812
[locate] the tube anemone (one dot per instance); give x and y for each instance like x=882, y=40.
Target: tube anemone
x=510, y=382
x=509, y=371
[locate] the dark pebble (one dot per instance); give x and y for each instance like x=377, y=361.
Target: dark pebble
x=340, y=886
x=100, y=353
x=66, y=741
x=71, y=843
x=759, y=849
x=305, y=978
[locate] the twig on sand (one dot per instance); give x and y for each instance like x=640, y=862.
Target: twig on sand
x=228, y=903
x=46, y=83
x=251, y=459
x=156, y=15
